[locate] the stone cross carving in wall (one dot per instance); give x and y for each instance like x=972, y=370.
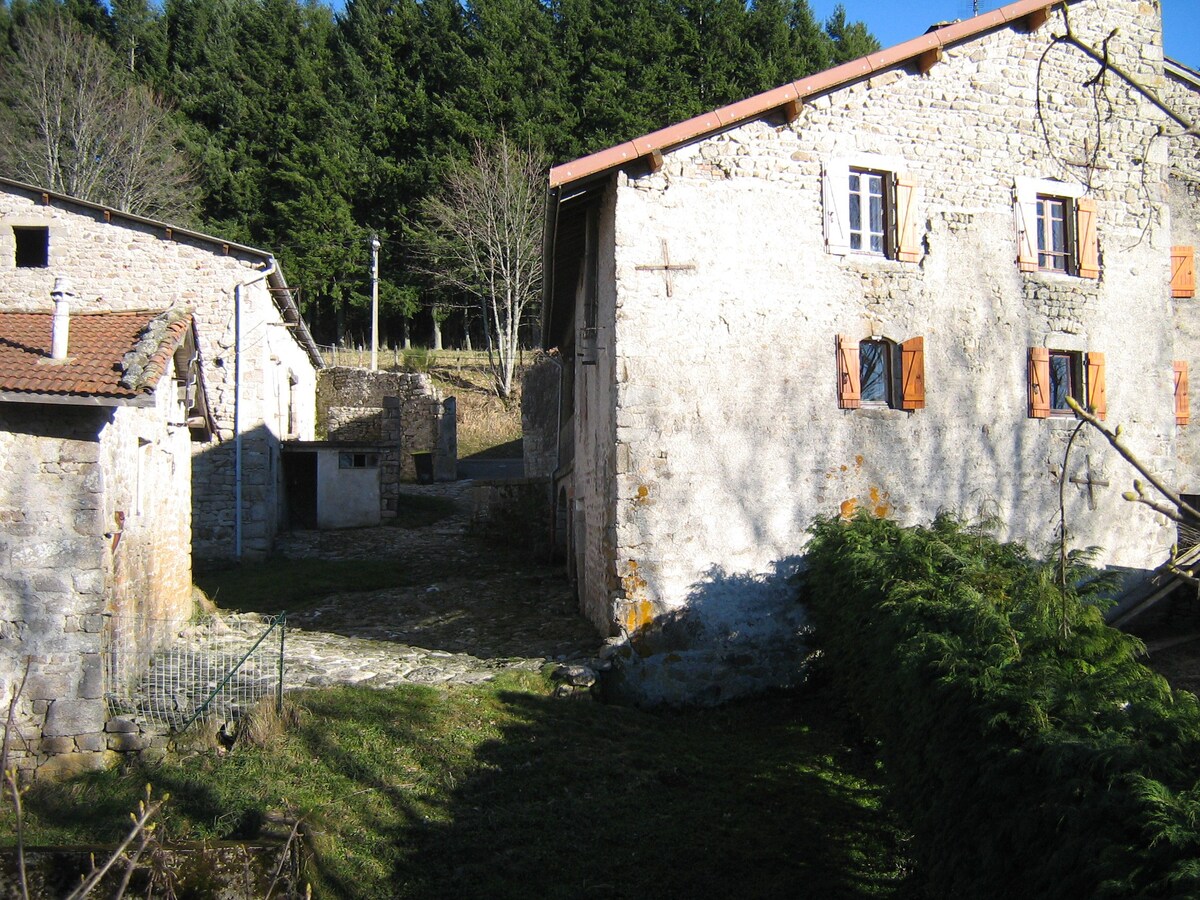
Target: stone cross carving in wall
x=1091, y=482
x=667, y=268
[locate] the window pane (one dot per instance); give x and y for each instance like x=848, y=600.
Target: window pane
x=1061, y=381
x=1041, y=230
x=872, y=361
x=1052, y=233
x=1059, y=234
x=877, y=222
x=855, y=215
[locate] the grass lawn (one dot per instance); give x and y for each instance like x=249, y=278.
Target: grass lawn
x=504, y=791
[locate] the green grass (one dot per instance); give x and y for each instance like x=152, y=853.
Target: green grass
x=275, y=584
x=504, y=791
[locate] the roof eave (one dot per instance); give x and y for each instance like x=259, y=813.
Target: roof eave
x=290, y=312
x=1179, y=70
x=761, y=104
x=91, y=400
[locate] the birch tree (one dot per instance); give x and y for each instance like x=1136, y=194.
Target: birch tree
x=480, y=236
x=74, y=123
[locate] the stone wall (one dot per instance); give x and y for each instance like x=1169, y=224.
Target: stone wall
x=540, y=415
x=709, y=433
x=1182, y=94
x=126, y=265
x=94, y=523
x=515, y=512
x=393, y=409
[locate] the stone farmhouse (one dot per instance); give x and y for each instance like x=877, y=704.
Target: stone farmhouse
x=257, y=361
x=872, y=288
x=98, y=414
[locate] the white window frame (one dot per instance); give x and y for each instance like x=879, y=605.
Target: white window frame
x=1025, y=218
x=835, y=182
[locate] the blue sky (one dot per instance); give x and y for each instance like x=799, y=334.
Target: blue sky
x=893, y=21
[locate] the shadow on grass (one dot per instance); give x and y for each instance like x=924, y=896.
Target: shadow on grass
x=754, y=799
x=504, y=791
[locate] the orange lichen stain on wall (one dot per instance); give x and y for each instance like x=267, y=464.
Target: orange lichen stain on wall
x=843, y=468
x=643, y=494
x=637, y=616
x=849, y=507
x=632, y=581
x=638, y=612
x=880, y=504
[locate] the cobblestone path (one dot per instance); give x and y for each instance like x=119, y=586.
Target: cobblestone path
x=475, y=610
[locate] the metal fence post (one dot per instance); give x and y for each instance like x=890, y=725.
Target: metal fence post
x=279, y=689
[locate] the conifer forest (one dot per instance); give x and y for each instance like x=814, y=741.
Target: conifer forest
x=304, y=130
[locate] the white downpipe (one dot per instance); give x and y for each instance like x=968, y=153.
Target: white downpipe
x=237, y=402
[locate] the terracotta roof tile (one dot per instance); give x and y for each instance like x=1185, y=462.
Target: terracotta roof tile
x=751, y=107
x=101, y=349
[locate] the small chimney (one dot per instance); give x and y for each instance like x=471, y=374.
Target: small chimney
x=61, y=327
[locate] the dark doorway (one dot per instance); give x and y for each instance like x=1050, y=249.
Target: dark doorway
x=300, y=487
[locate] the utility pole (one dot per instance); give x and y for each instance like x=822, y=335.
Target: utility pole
x=374, y=303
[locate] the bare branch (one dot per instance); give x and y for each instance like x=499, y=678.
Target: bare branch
x=480, y=236
x=1114, y=438
x=73, y=123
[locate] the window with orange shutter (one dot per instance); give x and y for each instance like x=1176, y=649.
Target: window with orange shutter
x=1056, y=375
x=877, y=372
x=1056, y=228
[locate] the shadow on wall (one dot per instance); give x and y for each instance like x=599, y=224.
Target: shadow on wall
x=216, y=470
x=736, y=634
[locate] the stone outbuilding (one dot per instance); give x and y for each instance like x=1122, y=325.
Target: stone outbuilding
x=870, y=289
x=98, y=416
x=259, y=360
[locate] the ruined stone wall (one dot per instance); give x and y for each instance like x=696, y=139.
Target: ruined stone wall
x=94, y=524
x=1182, y=94
x=728, y=438
x=121, y=265
x=350, y=407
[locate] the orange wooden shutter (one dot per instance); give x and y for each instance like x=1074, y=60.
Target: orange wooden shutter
x=849, y=390
x=1183, y=409
x=1039, y=383
x=912, y=374
x=1183, y=272
x=1027, y=252
x=908, y=248
x=1097, y=399
x=1088, y=243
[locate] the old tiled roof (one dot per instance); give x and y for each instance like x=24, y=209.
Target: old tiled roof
x=111, y=357
x=928, y=45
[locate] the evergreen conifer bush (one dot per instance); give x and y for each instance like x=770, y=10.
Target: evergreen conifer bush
x=1024, y=744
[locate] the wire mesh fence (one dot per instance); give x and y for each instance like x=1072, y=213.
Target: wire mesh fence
x=169, y=674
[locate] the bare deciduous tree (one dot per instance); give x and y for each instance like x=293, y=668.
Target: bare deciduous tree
x=481, y=236
x=74, y=123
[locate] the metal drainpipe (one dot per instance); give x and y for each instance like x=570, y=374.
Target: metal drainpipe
x=237, y=401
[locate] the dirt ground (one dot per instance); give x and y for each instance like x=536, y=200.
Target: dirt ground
x=465, y=595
